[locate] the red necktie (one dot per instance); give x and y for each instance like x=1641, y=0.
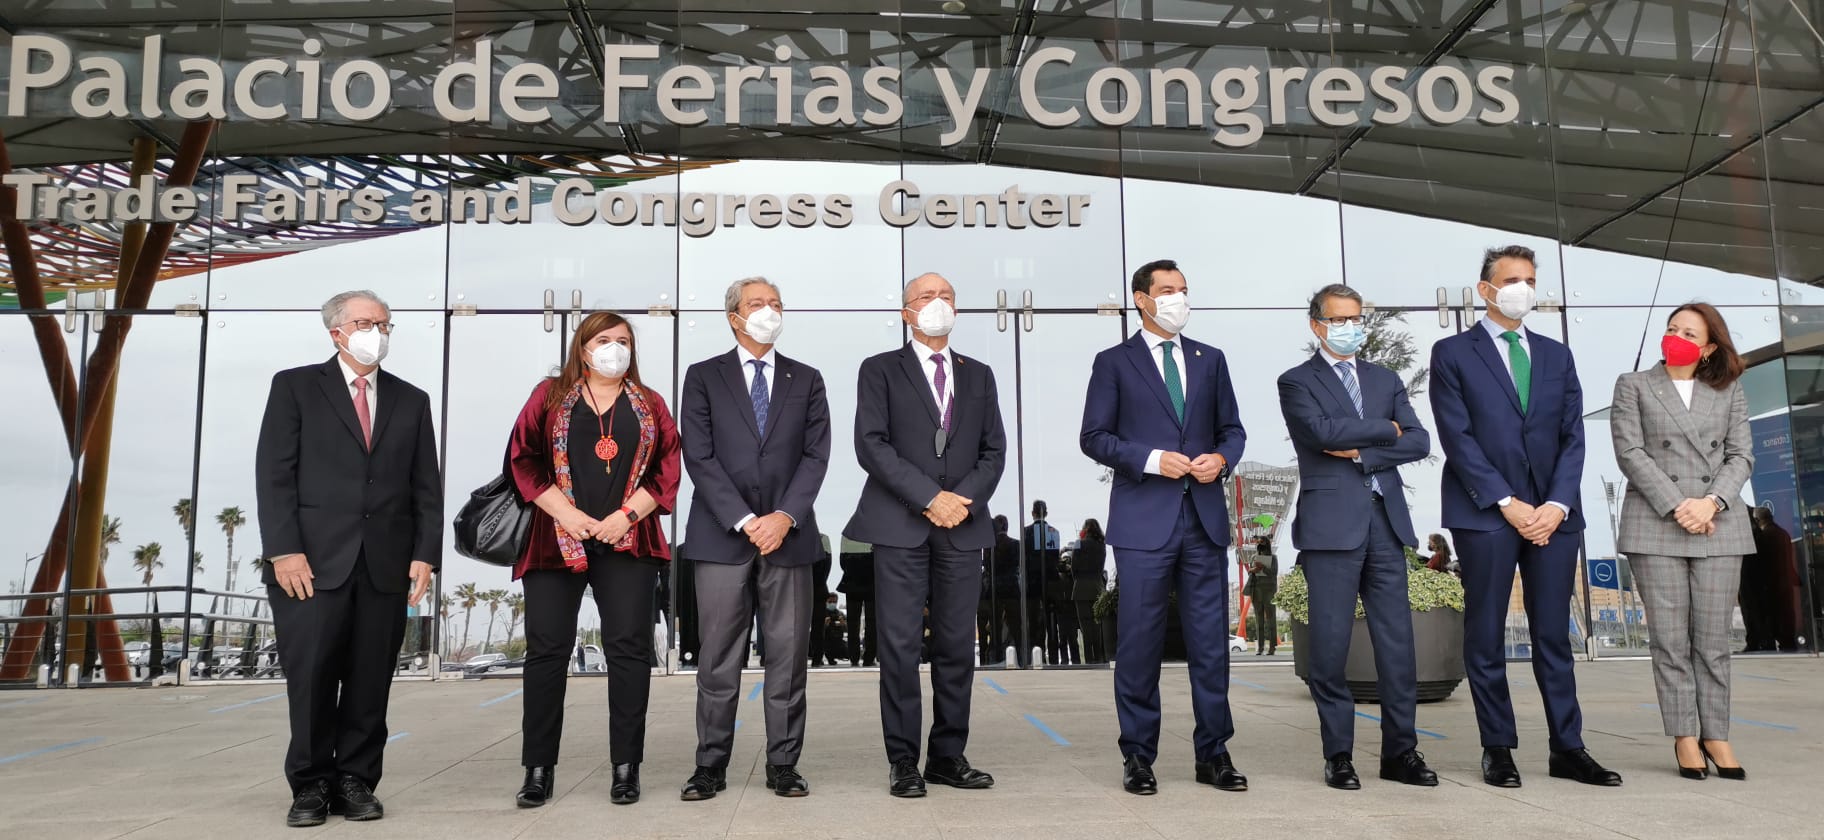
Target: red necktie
x=361, y=412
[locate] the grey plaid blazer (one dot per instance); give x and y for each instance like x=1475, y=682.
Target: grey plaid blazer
x=1670, y=453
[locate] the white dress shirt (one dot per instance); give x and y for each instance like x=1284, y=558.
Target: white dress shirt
x=1153, y=342
x=1334, y=361
x=373, y=387
x=930, y=368
x=1501, y=347
x=770, y=363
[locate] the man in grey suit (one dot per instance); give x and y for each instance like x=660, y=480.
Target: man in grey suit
x=756, y=437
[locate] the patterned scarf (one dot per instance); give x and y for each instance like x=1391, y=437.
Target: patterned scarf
x=575, y=558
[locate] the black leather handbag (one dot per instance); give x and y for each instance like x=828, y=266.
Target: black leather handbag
x=492, y=525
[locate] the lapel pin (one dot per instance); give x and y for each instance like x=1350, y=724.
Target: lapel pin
x=1200, y=352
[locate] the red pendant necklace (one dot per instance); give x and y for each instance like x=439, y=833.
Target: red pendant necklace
x=605, y=447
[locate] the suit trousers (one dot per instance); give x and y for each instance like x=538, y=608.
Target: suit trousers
x=863, y=635
x=339, y=649
x=1377, y=573
x=1198, y=568
x=1689, y=602
x=623, y=587
x=950, y=580
x=1547, y=574
x=727, y=595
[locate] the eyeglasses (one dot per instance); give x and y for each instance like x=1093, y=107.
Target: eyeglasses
x=1342, y=322
x=364, y=325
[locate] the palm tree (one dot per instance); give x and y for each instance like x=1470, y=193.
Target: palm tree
x=145, y=559
x=516, y=608
x=110, y=535
x=230, y=518
x=493, y=599
x=467, y=596
x=185, y=511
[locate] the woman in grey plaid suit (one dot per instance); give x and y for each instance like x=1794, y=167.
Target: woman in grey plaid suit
x=1681, y=435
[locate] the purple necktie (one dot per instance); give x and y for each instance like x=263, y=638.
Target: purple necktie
x=937, y=382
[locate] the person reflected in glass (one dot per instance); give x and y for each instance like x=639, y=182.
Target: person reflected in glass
x=1089, y=579
x=1262, y=585
x=1508, y=411
x=929, y=435
x=1160, y=412
x=596, y=452
x=1682, y=440
x=1353, y=427
x=756, y=427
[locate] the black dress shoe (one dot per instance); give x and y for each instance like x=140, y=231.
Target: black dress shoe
x=1498, y=767
x=309, y=806
x=1735, y=773
x=1579, y=766
x=539, y=785
x=783, y=780
x=704, y=784
x=626, y=787
x=904, y=781
x=354, y=801
x=1221, y=772
x=1339, y=772
x=1137, y=777
x=956, y=773
x=1408, y=768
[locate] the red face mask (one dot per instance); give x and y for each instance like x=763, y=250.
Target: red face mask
x=1680, y=351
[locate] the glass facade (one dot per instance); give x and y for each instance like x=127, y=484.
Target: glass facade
x=1676, y=163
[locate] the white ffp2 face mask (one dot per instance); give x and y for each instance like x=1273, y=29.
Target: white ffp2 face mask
x=765, y=326
x=937, y=318
x=611, y=359
x=1172, y=312
x=367, y=346
x=1515, y=300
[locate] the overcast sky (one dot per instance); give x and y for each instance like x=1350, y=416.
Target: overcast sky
x=1252, y=260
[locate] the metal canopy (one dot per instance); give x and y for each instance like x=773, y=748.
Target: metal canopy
x=1684, y=130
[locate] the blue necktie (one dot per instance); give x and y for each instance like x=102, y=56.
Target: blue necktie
x=1347, y=371
x=758, y=393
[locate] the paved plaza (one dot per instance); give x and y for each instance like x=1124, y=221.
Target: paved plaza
x=200, y=762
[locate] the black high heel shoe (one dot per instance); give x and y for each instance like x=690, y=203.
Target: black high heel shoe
x=1734, y=773
x=1696, y=774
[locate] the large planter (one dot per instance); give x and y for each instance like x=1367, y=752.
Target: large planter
x=1437, y=646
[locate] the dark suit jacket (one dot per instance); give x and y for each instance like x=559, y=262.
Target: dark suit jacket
x=1491, y=449
x=734, y=471
x=896, y=423
x=1335, y=495
x=321, y=493
x=1127, y=414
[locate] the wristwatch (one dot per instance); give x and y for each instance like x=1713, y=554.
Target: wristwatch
x=1720, y=504
x=632, y=515
x=1505, y=502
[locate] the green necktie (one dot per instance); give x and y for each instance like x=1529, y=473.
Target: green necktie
x=1173, y=385
x=1520, y=365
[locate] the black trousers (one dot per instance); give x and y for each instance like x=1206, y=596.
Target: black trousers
x=863, y=635
x=623, y=588
x=950, y=580
x=339, y=649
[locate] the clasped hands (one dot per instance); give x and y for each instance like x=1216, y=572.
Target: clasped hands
x=767, y=532
x=1697, y=516
x=609, y=529
x=1204, y=468
x=1535, y=524
x=1353, y=454
x=948, y=510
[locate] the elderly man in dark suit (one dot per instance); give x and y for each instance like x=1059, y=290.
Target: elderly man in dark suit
x=1353, y=427
x=351, y=522
x=928, y=433
x=756, y=431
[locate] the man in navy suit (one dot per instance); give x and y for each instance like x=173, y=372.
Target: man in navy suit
x=1508, y=409
x=756, y=430
x=1352, y=427
x=1160, y=413
x=928, y=433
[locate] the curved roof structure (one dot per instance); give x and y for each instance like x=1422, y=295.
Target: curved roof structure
x=1661, y=128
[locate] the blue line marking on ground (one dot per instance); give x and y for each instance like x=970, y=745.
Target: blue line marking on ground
x=25, y=755
x=1783, y=727
x=1757, y=677
x=737, y=724
x=397, y=736
x=1049, y=732
x=501, y=699
x=1253, y=685
x=994, y=685
x=267, y=698
x=1426, y=732
x=756, y=692
x=16, y=703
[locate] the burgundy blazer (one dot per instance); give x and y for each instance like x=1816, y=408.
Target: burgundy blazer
x=529, y=458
